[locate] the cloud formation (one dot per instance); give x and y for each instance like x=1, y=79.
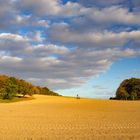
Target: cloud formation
x=64, y=45
x=63, y=33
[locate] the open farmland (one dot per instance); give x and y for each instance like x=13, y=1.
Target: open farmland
x=63, y=118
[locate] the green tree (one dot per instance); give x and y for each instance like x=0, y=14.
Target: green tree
x=122, y=94
x=10, y=89
x=133, y=96
x=129, y=89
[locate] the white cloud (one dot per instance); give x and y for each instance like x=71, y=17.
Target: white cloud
x=10, y=36
x=114, y=14
x=41, y=64
x=41, y=7
x=70, y=9
x=12, y=12
x=44, y=23
x=63, y=33
x=132, y=4
x=13, y=44
x=10, y=59
x=35, y=36
x=53, y=62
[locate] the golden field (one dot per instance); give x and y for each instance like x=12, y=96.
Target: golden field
x=63, y=118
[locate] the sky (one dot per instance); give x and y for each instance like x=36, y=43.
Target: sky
x=84, y=47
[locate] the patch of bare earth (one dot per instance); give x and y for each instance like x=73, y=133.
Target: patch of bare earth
x=61, y=118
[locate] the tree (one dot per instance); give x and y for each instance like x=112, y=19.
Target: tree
x=10, y=89
x=122, y=94
x=36, y=90
x=129, y=89
x=133, y=96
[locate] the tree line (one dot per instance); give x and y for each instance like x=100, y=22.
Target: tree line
x=11, y=87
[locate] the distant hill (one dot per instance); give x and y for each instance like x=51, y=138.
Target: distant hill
x=129, y=89
x=11, y=87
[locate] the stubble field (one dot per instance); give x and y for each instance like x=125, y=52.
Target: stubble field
x=62, y=118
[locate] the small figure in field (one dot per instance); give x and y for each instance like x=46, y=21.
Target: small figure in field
x=77, y=97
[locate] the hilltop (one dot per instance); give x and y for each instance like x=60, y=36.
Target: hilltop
x=11, y=87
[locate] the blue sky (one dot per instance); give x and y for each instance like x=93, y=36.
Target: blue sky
x=84, y=47
x=106, y=84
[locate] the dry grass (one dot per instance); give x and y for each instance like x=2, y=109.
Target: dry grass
x=61, y=118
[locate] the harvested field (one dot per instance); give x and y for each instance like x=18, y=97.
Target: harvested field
x=62, y=118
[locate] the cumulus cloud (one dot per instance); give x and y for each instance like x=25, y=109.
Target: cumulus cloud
x=42, y=7
x=47, y=7
x=63, y=33
x=63, y=45
x=13, y=44
x=43, y=23
x=57, y=66
x=35, y=36
x=29, y=13
x=102, y=2
x=133, y=4
x=115, y=13
x=12, y=18
x=10, y=36
x=7, y=12
x=42, y=50
x=10, y=59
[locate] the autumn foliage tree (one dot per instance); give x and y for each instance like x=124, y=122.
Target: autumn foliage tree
x=11, y=87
